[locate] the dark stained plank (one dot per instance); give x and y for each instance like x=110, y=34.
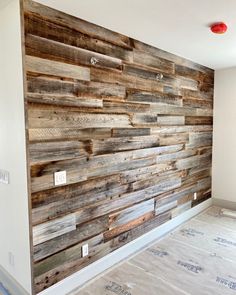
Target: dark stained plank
x=198, y=120
x=197, y=103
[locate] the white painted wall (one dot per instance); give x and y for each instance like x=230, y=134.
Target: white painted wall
x=14, y=228
x=224, y=147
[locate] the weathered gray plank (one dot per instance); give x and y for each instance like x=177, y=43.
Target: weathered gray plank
x=82, y=232
x=50, y=86
x=55, y=68
x=52, y=229
x=153, y=97
x=46, y=118
x=65, y=100
x=152, y=61
x=53, y=134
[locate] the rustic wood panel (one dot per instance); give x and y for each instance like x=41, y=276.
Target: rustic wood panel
x=54, y=68
x=129, y=123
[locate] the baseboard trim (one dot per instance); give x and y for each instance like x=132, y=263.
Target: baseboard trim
x=224, y=204
x=11, y=284
x=90, y=272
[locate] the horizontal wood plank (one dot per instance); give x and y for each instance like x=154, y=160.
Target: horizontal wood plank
x=55, y=68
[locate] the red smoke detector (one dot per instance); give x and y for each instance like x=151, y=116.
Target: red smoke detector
x=219, y=28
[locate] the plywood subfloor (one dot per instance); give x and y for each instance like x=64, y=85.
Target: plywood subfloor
x=198, y=258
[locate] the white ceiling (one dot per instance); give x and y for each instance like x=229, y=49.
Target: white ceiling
x=177, y=26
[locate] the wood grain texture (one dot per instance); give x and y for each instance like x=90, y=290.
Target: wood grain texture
x=135, y=146
x=47, y=231
x=54, y=68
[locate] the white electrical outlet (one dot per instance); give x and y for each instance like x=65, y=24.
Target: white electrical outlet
x=85, y=250
x=60, y=178
x=4, y=177
x=11, y=259
x=195, y=196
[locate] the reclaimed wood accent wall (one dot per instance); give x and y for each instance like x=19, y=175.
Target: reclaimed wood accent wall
x=130, y=124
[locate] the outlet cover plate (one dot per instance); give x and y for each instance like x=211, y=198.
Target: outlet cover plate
x=85, y=250
x=4, y=177
x=60, y=178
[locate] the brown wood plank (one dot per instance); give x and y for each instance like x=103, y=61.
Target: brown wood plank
x=198, y=120
x=131, y=213
x=112, y=233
